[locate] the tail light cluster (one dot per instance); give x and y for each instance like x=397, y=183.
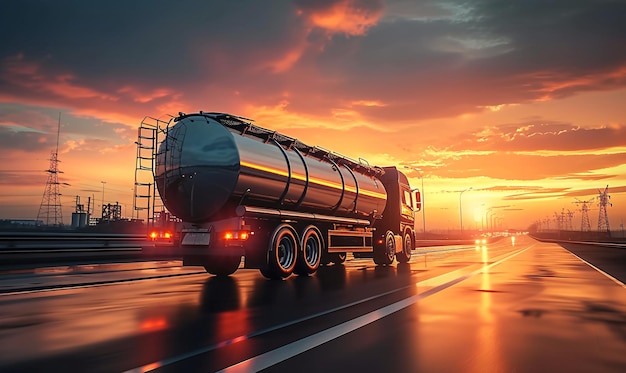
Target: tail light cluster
x=236, y=235
x=155, y=235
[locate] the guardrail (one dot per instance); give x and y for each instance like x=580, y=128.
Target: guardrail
x=617, y=245
x=25, y=248
x=45, y=240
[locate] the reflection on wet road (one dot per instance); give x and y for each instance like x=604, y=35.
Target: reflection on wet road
x=525, y=307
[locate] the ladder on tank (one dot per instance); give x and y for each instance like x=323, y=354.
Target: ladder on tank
x=145, y=196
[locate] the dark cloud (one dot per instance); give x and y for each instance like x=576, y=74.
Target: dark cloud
x=500, y=53
x=577, y=36
x=106, y=40
x=324, y=54
x=27, y=141
x=365, y=6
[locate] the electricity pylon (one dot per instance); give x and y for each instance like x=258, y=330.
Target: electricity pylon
x=570, y=218
x=585, y=225
x=50, y=212
x=603, y=216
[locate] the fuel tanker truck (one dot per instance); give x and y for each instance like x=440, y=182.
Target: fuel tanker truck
x=285, y=207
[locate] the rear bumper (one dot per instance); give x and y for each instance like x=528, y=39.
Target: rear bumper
x=201, y=255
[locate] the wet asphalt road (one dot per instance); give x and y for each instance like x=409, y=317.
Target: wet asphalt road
x=522, y=307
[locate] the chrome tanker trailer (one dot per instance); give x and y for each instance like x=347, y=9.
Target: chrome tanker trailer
x=286, y=207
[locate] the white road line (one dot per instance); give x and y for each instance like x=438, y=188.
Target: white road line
x=599, y=270
x=290, y=350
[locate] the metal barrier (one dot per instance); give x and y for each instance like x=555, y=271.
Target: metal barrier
x=24, y=248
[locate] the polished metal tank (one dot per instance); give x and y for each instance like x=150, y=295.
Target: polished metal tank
x=209, y=163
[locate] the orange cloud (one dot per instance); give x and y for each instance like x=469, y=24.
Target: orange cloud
x=62, y=85
x=27, y=74
x=143, y=97
x=552, y=84
x=350, y=17
x=286, y=61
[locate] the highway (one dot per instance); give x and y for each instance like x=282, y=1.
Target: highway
x=509, y=306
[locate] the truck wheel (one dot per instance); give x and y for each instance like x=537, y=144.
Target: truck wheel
x=223, y=265
x=405, y=255
x=282, y=253
x=310, y=255
x=384, y=255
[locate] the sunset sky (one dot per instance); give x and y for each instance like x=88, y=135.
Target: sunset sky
x=522, y=100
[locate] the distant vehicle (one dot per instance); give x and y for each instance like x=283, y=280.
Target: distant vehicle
x=481, y=241
x=241, y=190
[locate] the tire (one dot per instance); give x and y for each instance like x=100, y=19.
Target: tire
x=223, y=265
x=384, y=254
x=311, y=248
x=282, y=253
x=407, y=246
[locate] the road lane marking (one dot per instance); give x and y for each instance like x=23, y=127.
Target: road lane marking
x=599, y=270
x=158, y=364
x=270, y=358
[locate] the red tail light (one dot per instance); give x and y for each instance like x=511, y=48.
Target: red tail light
x=236, y=235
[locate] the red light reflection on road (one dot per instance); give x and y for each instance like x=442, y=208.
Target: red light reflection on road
x=153, y=324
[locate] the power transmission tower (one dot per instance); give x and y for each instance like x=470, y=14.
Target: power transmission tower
x=603, y=217
x=585, y=226
x=546, y=221
x=50, y=212
x=559, y=221
x=570, y=218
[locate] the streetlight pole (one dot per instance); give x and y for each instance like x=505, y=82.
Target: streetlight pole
x=487, y=217
x=421, y=174
x=461, y=206
x=102, y=205
x=492, y=220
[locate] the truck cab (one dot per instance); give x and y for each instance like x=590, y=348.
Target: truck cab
x=395, y=231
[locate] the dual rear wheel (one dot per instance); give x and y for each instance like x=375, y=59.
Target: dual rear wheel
x=287, y=253
x=311, y=254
